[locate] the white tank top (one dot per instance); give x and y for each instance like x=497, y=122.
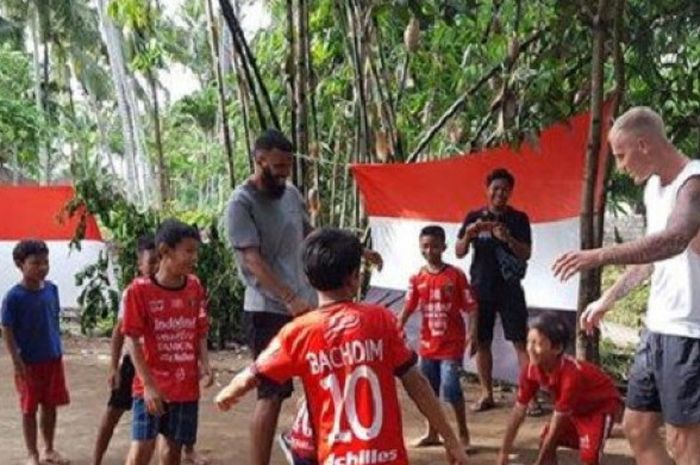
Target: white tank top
x=674, y=297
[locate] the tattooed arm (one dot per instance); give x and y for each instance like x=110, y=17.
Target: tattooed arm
x=683, y=225
x=596, y=310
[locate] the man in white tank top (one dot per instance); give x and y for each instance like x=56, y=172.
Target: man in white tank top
x=664, y=384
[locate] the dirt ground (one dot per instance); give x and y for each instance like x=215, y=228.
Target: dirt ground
x=223, y=438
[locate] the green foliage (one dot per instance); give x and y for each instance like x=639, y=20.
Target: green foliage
x=98, y=299
x=217, y=271
x=616, y=360
x=21, y=125
x=629, y=310
x=125, y=223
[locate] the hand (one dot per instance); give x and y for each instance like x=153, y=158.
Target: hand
x=113, y=379
x=231, y=394
x=297, y=306
x=155, y=404
x=456, y=454
x=572, y=262
x=206, y=375
x=501, y=232
x=374, y=258
x=478, y=227
x=20, y=368
x=593, y=314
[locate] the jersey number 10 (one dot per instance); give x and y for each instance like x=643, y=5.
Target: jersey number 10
x=344, y=400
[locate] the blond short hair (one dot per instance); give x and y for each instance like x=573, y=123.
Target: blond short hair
x=640, y=120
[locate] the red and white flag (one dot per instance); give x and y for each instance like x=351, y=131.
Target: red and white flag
x=34, y=212
x=402, y=198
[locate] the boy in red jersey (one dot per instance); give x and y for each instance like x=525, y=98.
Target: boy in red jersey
x=347, y=355
x=165, y=322
x=442, y=294
x=586, y=401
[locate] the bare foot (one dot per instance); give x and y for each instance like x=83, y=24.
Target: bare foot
x=33, y=459
x=427, y=441
x=51, y=457
x=193, y=458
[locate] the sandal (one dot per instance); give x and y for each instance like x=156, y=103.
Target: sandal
x=426, y=441
x=482, y=405
x=194, y=459
x=534, y=410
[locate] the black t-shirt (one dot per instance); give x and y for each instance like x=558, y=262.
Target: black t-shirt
x=485, y=273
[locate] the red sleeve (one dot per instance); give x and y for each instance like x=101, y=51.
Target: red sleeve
x=527, y=387
x=569, y=391
x=202, y=316
x=412, y=295
x=277, y=362
x=134, y=322
x=468, y=302
x=401, y=357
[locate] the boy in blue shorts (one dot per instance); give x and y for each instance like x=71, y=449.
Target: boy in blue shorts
x=30, y=329
x=121, y=375
x=442, y=294
x=165, y=322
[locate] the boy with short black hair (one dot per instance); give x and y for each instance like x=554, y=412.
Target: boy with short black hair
x=442, y=294
x=121, y=375
x=586, y=401
x=165, y=322
x=30, y=328
x=347, y=355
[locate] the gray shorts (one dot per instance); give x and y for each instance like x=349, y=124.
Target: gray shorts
x=665, y=378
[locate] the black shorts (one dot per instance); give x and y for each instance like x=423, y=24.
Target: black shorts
x=664, y=378
x=261, y=328
x=511, y=306
x=120, y=398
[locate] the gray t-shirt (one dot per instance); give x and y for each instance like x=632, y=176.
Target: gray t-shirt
x=276, y=227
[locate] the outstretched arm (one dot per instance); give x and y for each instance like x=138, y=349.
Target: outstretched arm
x=682, y=226
x=236, y=389
x=595, y=311
x=517, y=416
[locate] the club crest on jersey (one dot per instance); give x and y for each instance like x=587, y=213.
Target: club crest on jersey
x=448, y=290
x=339, y=323
x=156, y=305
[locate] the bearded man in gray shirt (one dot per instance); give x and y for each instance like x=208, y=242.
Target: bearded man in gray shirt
x=267, y=223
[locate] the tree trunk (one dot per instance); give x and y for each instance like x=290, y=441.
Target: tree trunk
x=357, y=50
x=248, y=62
x=125, y=102
x=45, y=98
x=587, y=347
x=301, y=86
x=38, y=91
x=163, y=180
x=15, y=166
x=218, y=72
x=243, y=100
x=290, y=78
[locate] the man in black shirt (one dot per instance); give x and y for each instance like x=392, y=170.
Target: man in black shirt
x=501, y=238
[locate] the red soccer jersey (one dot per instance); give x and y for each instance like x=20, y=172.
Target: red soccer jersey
x=441, y=298
x=170, y=323
x=347, y=356
x=577, y=387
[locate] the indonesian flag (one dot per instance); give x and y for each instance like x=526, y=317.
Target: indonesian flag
x=401, y=199
x=34, y=212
